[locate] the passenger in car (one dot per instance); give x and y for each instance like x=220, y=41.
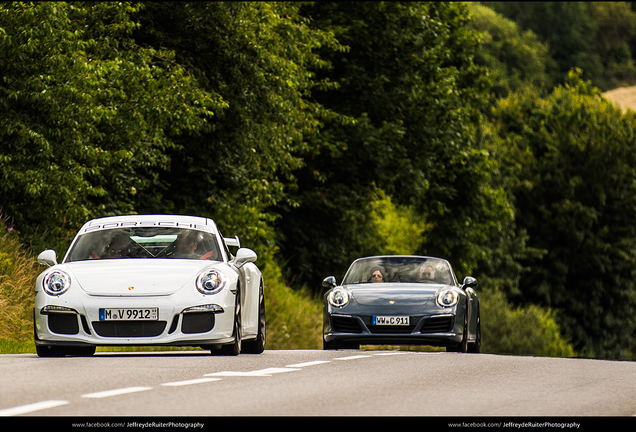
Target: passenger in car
x=427, y=273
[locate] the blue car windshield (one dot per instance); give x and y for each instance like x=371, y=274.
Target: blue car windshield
x=400, y=269
x=145, y=242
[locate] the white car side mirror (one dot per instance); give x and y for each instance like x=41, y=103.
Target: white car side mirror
x=243, y=256
x=48, y=258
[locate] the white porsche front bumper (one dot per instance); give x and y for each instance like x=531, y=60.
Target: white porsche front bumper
x=179, y=321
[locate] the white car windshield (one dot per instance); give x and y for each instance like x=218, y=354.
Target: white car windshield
x=399, y=269
x=147, y=242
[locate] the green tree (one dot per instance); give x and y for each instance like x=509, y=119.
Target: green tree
x=615, y=28
x=514, y=58
x=593, y=36
x=400, y=230
x=571, y=158
x=409, y=81
x=565, y=27
x=87, y=114
x=258, y=56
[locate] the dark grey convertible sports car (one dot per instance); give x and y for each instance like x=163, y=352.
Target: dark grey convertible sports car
x=401, y=300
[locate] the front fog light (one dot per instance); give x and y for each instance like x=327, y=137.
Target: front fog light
x=57, y=309
x=211, y=282
x=56, y=282
x=204, y=308
x=447, y=298
x=338, y=297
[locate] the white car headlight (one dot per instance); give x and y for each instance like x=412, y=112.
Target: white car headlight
x=338, y=297
x=56, y=282
x=447, y=298
x=211, y=281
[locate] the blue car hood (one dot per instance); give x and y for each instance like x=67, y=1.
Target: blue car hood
x=404, y=294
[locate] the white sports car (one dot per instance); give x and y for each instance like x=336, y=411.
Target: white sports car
x=149, y=280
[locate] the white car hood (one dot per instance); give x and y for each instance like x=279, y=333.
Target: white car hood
x=135, y=277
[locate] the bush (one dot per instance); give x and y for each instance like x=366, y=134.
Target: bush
x=294, y=316
x=17, y=277
x=519, y=331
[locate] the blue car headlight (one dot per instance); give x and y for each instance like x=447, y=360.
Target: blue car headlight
x=338, y=297
x=211, y=281
x=447, y=298
x=56, y=282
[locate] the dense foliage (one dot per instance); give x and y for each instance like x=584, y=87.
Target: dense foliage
x=571, y=159
x=320, y=132
x=87, y=114
x=598, y=37
x=515, y=59
x=259, y=58
x=409, y=82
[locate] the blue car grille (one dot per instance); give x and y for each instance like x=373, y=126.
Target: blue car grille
x=345, y=324
x=391, y=329
x=438, y=324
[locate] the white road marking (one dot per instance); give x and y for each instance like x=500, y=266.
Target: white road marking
x=270, y=371
x=116, y=392
x=352, y=357
x=190, y=382
x=25, y=409
x=262, y=372
x=229, y=374
x=311, y=363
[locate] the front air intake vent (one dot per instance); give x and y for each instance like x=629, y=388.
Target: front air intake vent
x=345, y=324
x=129, y=328
x=440, y=324
x=197, y=322
x=63, y=323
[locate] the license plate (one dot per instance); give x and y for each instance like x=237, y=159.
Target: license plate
x=129, y=314
x=391, y=320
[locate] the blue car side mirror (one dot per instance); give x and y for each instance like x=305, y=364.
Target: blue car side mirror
x=470, y=282
x=329, y=282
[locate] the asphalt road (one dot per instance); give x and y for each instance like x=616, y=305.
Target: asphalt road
x=314, y=383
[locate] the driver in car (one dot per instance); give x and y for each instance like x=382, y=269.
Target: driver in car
x=377, y=275
x=187, y=244
x=118, y=247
